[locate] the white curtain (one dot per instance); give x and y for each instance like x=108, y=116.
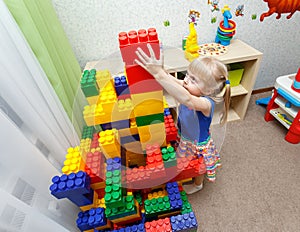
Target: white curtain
x=27, y=95
x=35, y=134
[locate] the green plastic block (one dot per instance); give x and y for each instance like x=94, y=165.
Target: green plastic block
x=149, y=119
x=157, y=206
x=128, y=208
x=88, y=84
x=88, y=132
x=169, y=157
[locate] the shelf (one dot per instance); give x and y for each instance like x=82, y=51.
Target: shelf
x=276, y=113
x=291, y=111
x=238, y=90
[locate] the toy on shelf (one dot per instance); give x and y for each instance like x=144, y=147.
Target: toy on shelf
x=212, y=49
x=191, y=44
x=226, y=29
x=285, y=105
x=125, y=174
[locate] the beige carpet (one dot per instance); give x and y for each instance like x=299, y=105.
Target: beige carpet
x=258, y=186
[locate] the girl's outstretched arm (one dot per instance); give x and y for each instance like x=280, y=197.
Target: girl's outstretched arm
x=171, y=84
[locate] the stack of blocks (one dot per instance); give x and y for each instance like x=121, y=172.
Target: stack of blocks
x=125, y=175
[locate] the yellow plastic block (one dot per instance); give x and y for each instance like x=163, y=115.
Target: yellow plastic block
x=148, y=103
x=154, y=133
x=157, y=194
x=73, y=162
x=109, y=143
x=95, y=115
x=108, y=100
x=101, y=203
x=92, y=100
x=103, y=77
x=122, y=110
x=85, y=146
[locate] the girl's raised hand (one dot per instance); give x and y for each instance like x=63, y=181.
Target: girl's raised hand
x=151, y=64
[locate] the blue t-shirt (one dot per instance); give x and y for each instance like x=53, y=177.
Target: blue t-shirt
x=194, y=125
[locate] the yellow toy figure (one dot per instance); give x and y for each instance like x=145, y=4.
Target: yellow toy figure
x=191, y=46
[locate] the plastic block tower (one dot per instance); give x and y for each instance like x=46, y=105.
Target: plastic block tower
x=125, y=174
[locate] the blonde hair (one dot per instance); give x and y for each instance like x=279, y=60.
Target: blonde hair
x=213, y=73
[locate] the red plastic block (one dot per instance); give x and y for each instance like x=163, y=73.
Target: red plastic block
x=171, y=130
x=95, y=142
x=140, y=81
x=129, y=42
x=158, y=225
x=94, y=166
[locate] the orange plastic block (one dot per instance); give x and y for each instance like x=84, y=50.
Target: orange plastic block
x=73, y=162
x=147, y=103
x=109, y=143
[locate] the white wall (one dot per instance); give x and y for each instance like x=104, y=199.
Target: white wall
x=92, y=27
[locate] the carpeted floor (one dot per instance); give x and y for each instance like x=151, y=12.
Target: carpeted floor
x=258, y=186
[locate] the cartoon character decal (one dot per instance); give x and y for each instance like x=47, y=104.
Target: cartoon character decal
x=193, y=17
x=214, y=5
x=239, y=10
x=281, y=7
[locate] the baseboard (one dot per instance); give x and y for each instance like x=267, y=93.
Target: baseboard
x=263, y=90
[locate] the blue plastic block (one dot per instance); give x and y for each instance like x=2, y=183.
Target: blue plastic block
x=72, y=184
x=82, y=221
x=120, y=124
x=97, y=217
x=167, y=112
x=130, y=139
x=82, y=200
x=121, y=85
x=113, y=164
x=106, y=126
x=184, y=222
x=134, y=228
x=174, y=196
